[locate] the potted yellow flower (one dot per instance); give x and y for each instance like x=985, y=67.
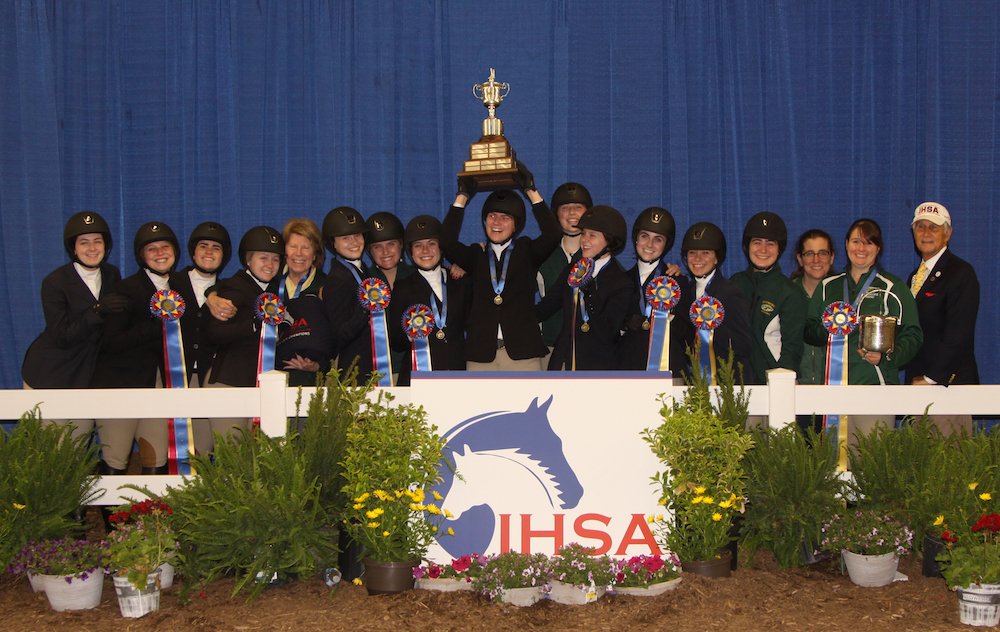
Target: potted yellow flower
x=390, y=459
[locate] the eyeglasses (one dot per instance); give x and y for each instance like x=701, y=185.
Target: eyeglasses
x=822, y=254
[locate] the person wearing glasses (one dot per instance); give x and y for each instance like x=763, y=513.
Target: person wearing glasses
x=815, y=254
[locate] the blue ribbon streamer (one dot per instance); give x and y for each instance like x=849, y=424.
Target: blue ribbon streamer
x=836, y=375
x=421, y=354
x=381, y=360
x=659, y=327
x=706, y=353
x=176, y=377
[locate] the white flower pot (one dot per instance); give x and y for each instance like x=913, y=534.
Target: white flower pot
x=572, y=595
x=166, y=575
x=979, y=604
x=649, y=591
x=521, y=597
x=135, y=603
x=78, y=594
x=871, y=571
x=37, y=583
x=443, y=584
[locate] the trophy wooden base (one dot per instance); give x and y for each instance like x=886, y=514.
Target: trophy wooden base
x=492, y=164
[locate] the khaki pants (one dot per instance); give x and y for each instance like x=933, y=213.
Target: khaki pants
x=81, y=427
x=503, y=362
x=205, y=441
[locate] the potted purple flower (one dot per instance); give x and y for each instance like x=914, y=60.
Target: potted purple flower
x=514, y=578
x=870, y=544
x=70, y=571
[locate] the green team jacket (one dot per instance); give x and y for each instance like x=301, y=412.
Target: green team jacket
x=813, y=367
x=549, y=271
x=909, y=336
x=777, y=315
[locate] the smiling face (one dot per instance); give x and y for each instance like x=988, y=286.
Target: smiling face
x=89, y=249
x=387, y=254
x=426, y=253
x=816, y=258
x=159, y=256
x=930, y=238
x=569, y=215
x=263, y=265
x=208, y=255
x=763, y=252
x=592, y=242
x=349, y=246
x=300, y=254
x=649, y=246
x=701, y=262
x=861, y=252
x=499, y=227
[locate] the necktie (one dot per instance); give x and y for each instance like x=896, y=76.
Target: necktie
x=918, y=278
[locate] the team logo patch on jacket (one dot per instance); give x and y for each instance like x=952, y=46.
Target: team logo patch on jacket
x=767, y=307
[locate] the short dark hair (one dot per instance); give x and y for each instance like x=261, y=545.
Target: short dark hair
x=800, y=246
x=869, y=230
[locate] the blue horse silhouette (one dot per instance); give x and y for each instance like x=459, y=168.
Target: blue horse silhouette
x=524, y=439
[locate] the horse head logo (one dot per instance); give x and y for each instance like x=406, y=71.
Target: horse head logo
x=501, y=457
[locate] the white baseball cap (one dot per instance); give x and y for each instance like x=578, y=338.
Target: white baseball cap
x=932, y=212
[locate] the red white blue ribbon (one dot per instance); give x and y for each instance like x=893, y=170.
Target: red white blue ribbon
x=270, y=310
x=661, y=295
x=375, y=296
x=168, y=306
x=418, y=323
x=839, y=319
x=707, y=313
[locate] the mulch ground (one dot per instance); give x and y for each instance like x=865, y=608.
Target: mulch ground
x=763, y=597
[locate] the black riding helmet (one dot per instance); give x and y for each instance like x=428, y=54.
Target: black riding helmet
x=507, y=202
x=81, y=224
x=704, y=236
x=656, y=220
x=420, y=227
x=211, y=231
x=765, y=225
x=261, y=239
x=571, y=193
x=609, y=221
x=154, y=231
x=340, y=222
x=383, y=226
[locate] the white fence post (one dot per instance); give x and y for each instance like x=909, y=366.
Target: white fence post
x=273, y=407
x=780, y=398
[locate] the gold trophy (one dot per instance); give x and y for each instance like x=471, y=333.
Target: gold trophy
x=492, y=163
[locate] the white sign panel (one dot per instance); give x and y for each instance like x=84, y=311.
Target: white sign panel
x=545, y=460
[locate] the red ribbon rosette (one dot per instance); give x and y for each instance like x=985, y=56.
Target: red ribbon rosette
x=269, y=308
x=663, y=293
x=374, y=294
x=707, y=313
x=581, y=272
x=840, y=318
x=418, y=321
x=166, y=305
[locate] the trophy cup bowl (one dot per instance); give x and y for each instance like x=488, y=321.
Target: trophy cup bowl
x=878, y=331
x=492, y=162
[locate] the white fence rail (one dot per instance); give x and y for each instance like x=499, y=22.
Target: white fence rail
x=781, y=399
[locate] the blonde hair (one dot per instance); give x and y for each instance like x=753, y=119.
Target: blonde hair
x=308, y=229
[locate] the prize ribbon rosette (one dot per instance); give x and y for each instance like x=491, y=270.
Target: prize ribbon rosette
x=168, y=307
x=581, y=272
x=707, y=313
x=840, y=319
x=418, y=323
x=662, y=295
x=375, y=296
x=269, y=309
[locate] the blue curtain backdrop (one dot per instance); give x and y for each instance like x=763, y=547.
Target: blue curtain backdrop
x=250, y=112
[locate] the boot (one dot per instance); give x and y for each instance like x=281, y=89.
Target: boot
x=163, y=469
x=107, y=470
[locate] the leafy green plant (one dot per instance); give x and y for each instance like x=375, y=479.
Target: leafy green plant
x=972, y=541
x=141, y=541
x=45, y=476
x=792, y=487
x=728, y=404
x=253, y=512
x=390, y=459
x=576, y=564
x=704, y=483
x=505, y=571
